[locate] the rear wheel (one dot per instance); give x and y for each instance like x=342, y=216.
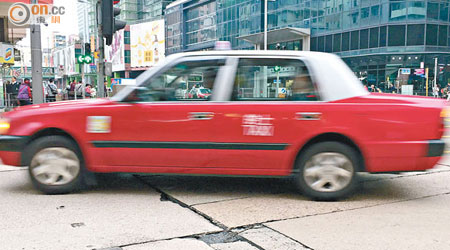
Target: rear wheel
x=55, y=165
x=327, y=171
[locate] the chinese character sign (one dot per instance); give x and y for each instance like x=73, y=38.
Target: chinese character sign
x=147, y=43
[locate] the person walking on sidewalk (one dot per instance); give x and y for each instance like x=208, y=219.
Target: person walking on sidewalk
x=24, y=95
x=52, y=90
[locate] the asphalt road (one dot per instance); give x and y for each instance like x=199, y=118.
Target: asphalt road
x=408, y=211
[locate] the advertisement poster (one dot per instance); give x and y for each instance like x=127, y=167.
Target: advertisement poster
x=6, y=53
x=116, y=52
x=69, y=60
x=147, y=43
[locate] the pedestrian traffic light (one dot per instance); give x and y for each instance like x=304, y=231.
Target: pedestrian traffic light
x=110, y=24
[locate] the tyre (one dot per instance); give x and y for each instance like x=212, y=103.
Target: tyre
x=55, y=165
x=327, y=171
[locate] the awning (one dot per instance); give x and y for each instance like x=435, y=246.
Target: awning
x=279, y=35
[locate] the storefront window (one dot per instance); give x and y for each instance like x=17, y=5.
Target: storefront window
x=373, y=41
x=354, y=42
x=329, y=43
x=433, y=11
x=336, y=42
x=396, y=35
x=432, y=34
x=416, y=34
x=443, y=32
x=383, y=33
x=443, y=12
x=345, y=41
x=364, y=39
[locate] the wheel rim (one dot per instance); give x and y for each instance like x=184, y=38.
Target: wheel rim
x=55, y=166
x=328, y=172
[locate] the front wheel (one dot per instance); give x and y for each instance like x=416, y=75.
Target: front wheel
x=327, y=171
x=55, y=165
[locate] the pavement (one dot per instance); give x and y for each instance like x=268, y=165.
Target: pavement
x=133, y=212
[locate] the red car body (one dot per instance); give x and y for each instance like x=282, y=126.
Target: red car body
x=379, y=125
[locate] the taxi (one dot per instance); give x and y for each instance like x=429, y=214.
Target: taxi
x=270, y=113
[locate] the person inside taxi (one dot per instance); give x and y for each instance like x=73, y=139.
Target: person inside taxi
x=302, y=89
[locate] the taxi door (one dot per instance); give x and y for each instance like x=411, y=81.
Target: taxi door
x=273, y=105
x=167, y=127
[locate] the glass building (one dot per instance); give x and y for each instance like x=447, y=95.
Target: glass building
x=385, y=42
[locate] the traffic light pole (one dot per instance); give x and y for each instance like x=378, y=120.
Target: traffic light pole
x=101, y=59
x=36, y=62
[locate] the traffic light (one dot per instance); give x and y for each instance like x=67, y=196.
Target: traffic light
x=87, y=48
x=110, y=24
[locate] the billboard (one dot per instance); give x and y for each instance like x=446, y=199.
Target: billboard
x=115, y=54
x=6, y=53
x=64, y=61
x=147, y=43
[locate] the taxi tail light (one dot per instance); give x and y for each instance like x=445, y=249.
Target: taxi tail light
x=4, y=126
x=445, y=121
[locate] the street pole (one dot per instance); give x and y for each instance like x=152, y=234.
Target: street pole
x=265, y=24
x=101, y=60
x=83, y=83
x=36, y=62
x=435, y=73
x=426, y=81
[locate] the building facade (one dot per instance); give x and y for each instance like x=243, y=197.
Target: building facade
x=385, y=42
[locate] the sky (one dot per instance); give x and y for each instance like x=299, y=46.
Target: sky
x=68, y=25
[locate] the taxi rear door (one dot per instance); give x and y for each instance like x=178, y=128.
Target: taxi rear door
x=273, y=104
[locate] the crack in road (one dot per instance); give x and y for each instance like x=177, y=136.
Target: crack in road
x=227, y=235
x=345, y=210
x=226, y=232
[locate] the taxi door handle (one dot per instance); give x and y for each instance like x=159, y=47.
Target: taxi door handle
x=311, y=116
x=201, y=115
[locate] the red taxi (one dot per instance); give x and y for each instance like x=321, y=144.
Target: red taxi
x=299, y=114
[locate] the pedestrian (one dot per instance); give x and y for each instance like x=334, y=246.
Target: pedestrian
x=87, y=90
x=79, y=90
x=24, y=96
x=71, y=88
x=435, y=91
x=13, y=91
x=52, y=90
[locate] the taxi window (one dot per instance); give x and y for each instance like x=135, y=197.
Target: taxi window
x=185, y=81
x=273, y=80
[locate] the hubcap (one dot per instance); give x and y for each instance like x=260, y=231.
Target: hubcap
x=328, y=172
x=55, y=166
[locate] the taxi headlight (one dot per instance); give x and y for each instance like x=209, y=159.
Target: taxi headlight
x=4, y=126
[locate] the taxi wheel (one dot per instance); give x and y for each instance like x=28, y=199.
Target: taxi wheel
x=327, y=171
x=55, y=164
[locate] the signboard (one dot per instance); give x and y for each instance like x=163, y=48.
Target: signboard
x=405, y=71
x=147, y=43
x=115, y=53
x=82, y=59
x=195, y=78
x=281, y=92
x=6, y=53
x=407, y=89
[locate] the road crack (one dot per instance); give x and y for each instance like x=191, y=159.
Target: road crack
x=223, y=236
